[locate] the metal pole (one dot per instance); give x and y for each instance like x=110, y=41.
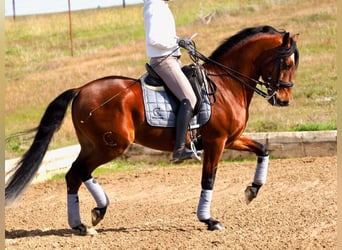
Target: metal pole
x=13, y=5
x=124, y=3
x=70, y=31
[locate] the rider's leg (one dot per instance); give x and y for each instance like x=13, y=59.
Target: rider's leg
x=183, y=119
x=170, y=71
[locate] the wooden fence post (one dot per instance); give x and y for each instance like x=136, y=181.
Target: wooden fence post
x=70, y=31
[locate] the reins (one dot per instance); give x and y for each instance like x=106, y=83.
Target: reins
x=228, y=71
x=195, y=56
x=232, y=73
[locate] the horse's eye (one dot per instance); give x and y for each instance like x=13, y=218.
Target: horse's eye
x=287, y=66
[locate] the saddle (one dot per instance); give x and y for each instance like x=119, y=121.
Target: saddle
x=195, y=74
x=161, y=105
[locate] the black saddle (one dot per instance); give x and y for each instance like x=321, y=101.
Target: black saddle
x=194, y=72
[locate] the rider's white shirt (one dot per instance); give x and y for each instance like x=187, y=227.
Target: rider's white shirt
x=160, y=29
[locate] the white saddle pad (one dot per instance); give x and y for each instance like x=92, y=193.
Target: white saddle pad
x=160, y=106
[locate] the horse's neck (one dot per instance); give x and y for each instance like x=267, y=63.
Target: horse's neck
x=241, y=59
x=222, y=77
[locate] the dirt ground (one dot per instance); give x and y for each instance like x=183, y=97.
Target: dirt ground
x=156, y=209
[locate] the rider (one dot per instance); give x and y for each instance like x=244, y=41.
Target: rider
x=162, y=46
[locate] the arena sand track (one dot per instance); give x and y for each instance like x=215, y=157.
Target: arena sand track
x=155, y=209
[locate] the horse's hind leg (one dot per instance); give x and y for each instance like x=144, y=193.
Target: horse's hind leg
x=81, y=172
x=74, y=181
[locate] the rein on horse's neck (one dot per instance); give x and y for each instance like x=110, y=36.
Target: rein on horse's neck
x=230, y=72
x=281, y=51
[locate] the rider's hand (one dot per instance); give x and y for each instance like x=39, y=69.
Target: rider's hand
x=186, y=43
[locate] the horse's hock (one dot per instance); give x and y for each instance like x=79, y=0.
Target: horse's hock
x=280, y=145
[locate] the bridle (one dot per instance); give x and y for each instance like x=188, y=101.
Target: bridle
x=271, y=86
x=282, y=52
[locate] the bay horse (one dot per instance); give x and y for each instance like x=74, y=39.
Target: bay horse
x=108, y=116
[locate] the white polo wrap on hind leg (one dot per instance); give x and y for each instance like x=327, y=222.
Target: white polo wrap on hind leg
x=261, y=170
x=73, y=206
x=203, y=209
x=97, y=192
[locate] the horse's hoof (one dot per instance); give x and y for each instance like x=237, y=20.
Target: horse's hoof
x=213, y=224
x=80, y=229
x=84, y=230
x=251, y=192
x=97, y=215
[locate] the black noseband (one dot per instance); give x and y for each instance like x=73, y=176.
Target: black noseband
x=281, y=84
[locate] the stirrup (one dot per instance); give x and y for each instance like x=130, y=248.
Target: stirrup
x=196, y=154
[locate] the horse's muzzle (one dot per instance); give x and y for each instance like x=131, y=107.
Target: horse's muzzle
x=275, y=101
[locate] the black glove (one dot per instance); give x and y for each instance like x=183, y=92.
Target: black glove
x=186, y=43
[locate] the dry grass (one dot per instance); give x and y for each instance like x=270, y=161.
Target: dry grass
x=111, y=42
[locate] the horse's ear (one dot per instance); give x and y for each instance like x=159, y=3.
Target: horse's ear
x=295, y=37
x=286, y=40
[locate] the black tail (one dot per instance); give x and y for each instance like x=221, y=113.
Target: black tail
x=31, y=160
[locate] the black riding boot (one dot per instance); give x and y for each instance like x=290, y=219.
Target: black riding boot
x=183, y=119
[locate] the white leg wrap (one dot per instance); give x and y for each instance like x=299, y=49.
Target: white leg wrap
x=261, y=170
x=73, y=206
x=203, y=209
x=97, y=192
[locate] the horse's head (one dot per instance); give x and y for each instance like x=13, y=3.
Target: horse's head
x=279, y=71
x=261, y=52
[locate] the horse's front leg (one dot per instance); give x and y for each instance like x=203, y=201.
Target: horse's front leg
x=212, y=155
x=246, y=144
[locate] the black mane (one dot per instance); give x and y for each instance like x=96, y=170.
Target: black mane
x=242, y=35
